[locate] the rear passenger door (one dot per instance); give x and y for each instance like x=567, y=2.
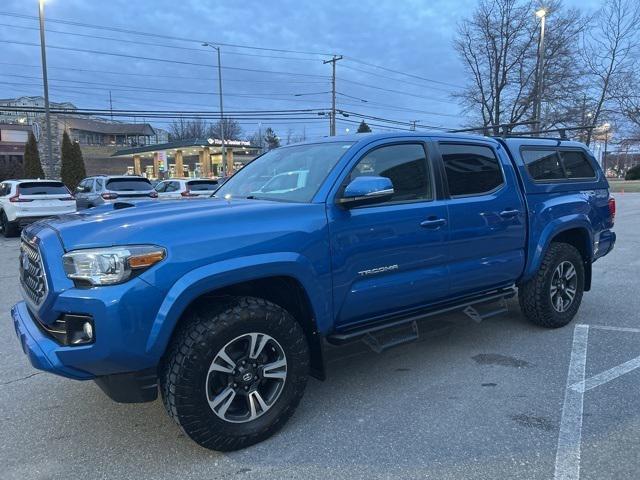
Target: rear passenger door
x=487, y=216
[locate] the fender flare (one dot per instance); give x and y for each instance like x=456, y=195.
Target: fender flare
x=226, y=273
x=552, y=230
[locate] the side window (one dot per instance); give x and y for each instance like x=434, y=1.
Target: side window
x=576, y=164
x=99, y=184
x=161, y=187
x=405, y=165
x=172, y=187
x=470, y=169
x=4, y=189
x=543, y=164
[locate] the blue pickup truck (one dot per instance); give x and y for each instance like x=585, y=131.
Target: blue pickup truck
x=225, y=305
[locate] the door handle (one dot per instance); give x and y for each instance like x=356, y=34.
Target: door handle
x=509, y=213
x=433, y=223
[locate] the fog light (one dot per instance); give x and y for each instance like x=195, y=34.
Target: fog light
x=87, y=329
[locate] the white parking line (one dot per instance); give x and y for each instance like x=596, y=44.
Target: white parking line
x=616, y=329
x=567, y=465
x=606, y=376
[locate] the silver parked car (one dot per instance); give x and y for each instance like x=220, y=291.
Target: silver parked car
x=94, y=191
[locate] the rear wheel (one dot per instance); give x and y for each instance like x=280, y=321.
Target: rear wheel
x=234, y=376
x=9, y=229
x=552, y=297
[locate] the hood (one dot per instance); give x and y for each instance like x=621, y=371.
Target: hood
x=154, y=222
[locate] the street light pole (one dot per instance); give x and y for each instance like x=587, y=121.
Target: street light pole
x=45, y=81
x=224, y=150
x=537, y=107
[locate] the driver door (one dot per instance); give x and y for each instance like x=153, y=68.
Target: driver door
x=390, y=257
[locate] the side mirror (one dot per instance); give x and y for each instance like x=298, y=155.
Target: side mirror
x=366, y=191
x=80, y=189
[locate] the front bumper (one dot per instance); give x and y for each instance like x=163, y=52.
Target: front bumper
x=41, y=350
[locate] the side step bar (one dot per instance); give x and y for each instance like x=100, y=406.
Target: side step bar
x=373, y=335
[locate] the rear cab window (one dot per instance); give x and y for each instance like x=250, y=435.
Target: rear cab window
x=470, y=169
x=43, y=188
x=128, y=184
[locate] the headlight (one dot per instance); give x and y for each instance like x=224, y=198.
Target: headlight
x=112, y=265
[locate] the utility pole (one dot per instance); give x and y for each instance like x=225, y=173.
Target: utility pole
x=413, y=125
x=223, y=148
x=110, y=105
x=332, y=119
x=49, y=164
x=537, y=107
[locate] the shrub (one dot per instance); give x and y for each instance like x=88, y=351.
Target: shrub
x=633, y=173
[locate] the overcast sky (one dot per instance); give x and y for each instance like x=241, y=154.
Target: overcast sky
x=410, y=35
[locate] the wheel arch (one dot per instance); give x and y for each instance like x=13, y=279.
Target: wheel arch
x=282, y=283
x=576, y=232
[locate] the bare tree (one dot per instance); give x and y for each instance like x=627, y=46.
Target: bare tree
x=186, y=129
x=498, y=46
x=232, y=130
x=608, y=53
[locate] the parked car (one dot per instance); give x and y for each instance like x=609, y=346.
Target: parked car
x=94, y=191
x=25, y=201
x=225, y=307
x=186, y=188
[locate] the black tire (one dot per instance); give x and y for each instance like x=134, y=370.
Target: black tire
x=184, y=376
x=9, y=229
x=535, y=296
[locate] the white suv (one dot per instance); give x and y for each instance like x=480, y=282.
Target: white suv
x=26, y=201
x=186, y=188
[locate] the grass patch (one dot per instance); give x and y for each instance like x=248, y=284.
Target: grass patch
x=628, y=186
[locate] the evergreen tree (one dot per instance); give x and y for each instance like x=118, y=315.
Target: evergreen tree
x=363, y=127
x=32, y=166
x=78, y=162
x=72, y=170
x=272, y=140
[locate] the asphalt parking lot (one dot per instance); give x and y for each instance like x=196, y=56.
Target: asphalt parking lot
x=496, y=399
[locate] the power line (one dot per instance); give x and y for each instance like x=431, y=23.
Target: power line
x=400, y=92
x=138, y=42
x=399, y=72
x=157, y=75
x=147, y=34
x=396, y=79
x=165, y=60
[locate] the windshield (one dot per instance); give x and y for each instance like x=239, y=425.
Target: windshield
x=290, y=173
x=129, y=184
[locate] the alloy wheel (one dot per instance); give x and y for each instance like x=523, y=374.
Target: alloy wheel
x=246, y=377
x=564, y=284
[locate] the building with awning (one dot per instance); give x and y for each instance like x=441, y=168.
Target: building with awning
x=188, y=158
x=93, y=131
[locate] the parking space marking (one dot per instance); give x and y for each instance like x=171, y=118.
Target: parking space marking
x=616, y=329
x=567, y=466
x=606, y=376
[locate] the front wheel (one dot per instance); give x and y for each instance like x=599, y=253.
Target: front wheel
x=233, y=377
x=552, y=297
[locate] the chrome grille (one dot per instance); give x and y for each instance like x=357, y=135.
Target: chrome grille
x=32, y=276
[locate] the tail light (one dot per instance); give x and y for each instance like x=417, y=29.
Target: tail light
x=16, y=198
x=109, y=196
x=153, y=194
x=612, y=209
